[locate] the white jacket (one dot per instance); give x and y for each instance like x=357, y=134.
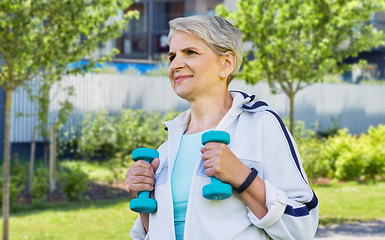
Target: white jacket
x=260, y=140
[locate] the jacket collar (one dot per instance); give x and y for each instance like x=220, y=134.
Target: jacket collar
x=240, y=99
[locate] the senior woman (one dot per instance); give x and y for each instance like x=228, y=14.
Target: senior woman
x=271, y=197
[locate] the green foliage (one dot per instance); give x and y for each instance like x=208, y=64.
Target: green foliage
x=19, y=168
x=343, y=156
x=42, y=37
x=374, y=144
x=74, y=182
x=40, y=185
x=295, y=42
x=17, y=182
x=118, y=166
x=350, y=165
x=333, y=78
x=96, y=171
x=333, y=149
x=103, y=136
x=16, y=186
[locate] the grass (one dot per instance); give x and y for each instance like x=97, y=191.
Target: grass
x=97, y=221
x=342, y=202
x=96, y=171
x=349, y=202
x=339, y=203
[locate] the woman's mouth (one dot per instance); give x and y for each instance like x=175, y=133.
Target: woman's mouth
x=181, y=78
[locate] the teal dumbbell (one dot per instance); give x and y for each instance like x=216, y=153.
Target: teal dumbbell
x=216, y=190
x=143, y=203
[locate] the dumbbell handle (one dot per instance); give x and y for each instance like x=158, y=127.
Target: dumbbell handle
x=217, y=190
x=143, y=203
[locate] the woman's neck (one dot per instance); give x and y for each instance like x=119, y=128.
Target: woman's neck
x=207, y=112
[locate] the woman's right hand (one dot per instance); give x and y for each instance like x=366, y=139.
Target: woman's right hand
x=141, y=176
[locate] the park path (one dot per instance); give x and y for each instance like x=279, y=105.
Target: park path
x=374, y=230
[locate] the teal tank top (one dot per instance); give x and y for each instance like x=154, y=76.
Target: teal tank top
x=189, y=151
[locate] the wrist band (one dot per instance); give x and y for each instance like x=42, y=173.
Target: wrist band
x=248, y=181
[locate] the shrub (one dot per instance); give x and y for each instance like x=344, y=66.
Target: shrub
x=15, y=187
x=118, y=166
x=333, y=148
x=74, y=182
x=309, y=148
x=350, y=165
x=374, y=145
x=103, y=135
x=312, y=164
x=351, y=157
x=39, y=185
x=19, y=168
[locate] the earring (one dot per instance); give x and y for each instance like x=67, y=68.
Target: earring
x=224, y=75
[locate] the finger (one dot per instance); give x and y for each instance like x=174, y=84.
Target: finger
x=142, y=172
x=209, y=154
x=135, y=189
x=142, y=163
x=140, y=183
x=210, y=145
x=155, y=164
x=207, y=164
x=210, y=172
x=139, y=170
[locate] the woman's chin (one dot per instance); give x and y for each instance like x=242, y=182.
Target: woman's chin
x=183, y=94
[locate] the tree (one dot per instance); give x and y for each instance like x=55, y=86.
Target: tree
x=295, y=42
x=42, y=38
x=43, y=96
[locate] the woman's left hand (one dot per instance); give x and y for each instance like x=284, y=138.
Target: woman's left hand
x=219, y=161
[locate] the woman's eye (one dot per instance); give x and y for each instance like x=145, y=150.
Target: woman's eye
x=191, y=52
x=171, y=58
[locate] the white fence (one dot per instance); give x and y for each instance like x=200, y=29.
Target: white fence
x=355, y=106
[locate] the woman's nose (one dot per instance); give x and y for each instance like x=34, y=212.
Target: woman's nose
x=177, y=63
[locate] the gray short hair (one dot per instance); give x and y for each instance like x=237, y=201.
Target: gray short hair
x=219, y=34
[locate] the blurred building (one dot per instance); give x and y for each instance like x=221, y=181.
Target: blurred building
x=144, y=42
x=375, y=70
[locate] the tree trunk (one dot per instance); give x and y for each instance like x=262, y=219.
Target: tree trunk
x=32, y=160
x=7, y=160
x=45, y=157
x=52, y=160
x=291, y=114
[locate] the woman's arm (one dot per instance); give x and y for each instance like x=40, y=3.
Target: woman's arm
x=221, y=163
x=282, y=203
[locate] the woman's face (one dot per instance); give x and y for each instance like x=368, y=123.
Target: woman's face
x=194, y=67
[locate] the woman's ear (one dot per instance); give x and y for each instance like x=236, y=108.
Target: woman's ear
x=228, y=63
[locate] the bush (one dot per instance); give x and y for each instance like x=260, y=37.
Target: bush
x=374, y=145
x=19, y=168
x=309, y=148
x=18, y=176
x=310, y=152
x=39, y=185
x=342, y=156
x=15, y=187
x=103, y=135
x=74, y=182
x=350, y=165
x=333, y=148
x=118, y=167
